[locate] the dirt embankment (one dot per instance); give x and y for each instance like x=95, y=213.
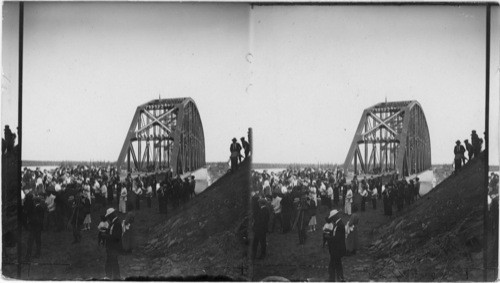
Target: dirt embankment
x=10, y=191
x=206, y=237
x=440, y=237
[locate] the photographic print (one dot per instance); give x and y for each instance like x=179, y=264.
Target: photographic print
x=135, y=150
x=250, y=141
x=361, y=171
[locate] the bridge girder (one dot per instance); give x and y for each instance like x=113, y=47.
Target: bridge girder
x=171, y=133
x=391, y=136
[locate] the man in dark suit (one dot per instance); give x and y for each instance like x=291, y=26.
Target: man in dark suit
x=261, y=221
x=113, y=239
x=476, y=143
x=287, y=211
x=336, y=247
x=303, y=217
x=235, y=149
x=459, y=151
x=33, y=207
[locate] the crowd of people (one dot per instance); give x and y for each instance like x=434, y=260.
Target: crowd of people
x=95, y=198
x=473, y=150
x=293, y=198
x=77, y=197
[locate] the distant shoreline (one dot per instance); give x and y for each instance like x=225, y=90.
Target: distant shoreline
x=39, y=163
x=259, y=166
x=66, y=162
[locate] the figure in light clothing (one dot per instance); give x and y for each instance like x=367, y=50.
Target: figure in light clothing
x=348, y=201
x=102, y=228
x=123, y=200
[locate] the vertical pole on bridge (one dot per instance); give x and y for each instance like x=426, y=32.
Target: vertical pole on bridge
x=486, y=166
x=250, y=140
x=19, y=140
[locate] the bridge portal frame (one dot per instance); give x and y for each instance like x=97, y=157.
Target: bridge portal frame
x=171, y=134
x=391, y=136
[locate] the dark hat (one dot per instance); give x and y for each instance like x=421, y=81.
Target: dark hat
x=473, y=131
x=242, y=138
x=234, y=139
x=466, y=140
x=457, y=142
x=262, y=201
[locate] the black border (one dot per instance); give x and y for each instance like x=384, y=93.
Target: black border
x=19, y=133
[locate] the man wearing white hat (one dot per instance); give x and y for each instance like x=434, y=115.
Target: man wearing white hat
x=113, y=239
x=336, y=246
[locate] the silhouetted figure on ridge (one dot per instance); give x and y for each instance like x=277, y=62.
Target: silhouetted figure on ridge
x=246, y=147
x=476, y=143
x=470, y=149
x=10, y=139
x=459, y=151
x=235, y=149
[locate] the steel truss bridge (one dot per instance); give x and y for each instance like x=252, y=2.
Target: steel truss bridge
x=164, y=133
x=391, y=137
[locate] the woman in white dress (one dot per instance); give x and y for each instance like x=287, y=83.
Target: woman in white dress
x=348, y=200
x=313, y=194
x=123, y=201
x=87, y=209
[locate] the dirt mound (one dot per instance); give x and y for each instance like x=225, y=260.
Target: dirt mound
x=440, y=236
x=207, y=236
x=10, y=190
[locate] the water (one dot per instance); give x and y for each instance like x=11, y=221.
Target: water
x=202, y=179
x=427, y=181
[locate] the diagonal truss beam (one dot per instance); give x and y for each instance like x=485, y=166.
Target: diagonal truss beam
x=155, y=120
x=382, y=123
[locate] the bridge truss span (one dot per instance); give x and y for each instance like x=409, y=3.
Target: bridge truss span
x=391, y=137
x=164, y=133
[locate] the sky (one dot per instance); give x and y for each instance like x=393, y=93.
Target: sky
x=300, y=76
x=315, y=69
x=87, y=66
